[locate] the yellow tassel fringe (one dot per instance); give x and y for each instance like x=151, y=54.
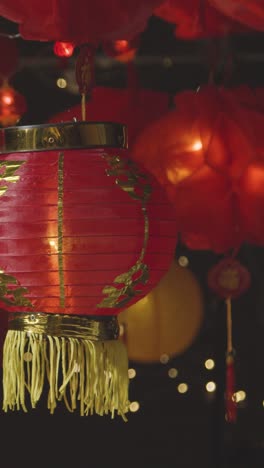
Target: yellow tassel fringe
x=93, y=374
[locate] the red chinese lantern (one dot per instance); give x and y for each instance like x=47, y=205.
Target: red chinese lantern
x=79, y=21
x=134, y=107
x=247, y=12
x=12, y=106
x=63, y=49
x=209, y=155
x=198, y=18
x=85, y=232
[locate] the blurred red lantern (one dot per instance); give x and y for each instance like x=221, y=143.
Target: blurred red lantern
x=12, y=106
x=84, y=234
x=134, y=107
x=209, y=155
x=122, y=50
x=63, y=49
x=197, y=18
x=78, y=21
x=247, y=12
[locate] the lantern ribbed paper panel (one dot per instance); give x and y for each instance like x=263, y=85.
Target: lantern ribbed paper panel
x=84, y=233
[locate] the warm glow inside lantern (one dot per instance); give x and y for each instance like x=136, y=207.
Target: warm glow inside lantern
x=63, y=49
x=122, y=49
x=208, y=154
x=12, y=106
x=85, y=232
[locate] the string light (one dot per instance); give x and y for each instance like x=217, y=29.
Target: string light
x=131, y=373
x=182, y=388
x=209, y=364
x=167, y=62
x=172, y=373
x=183, y=261
x=164, y=358
x=61, y=83
x=134, y=406
x=210, y=387
x=239, y=396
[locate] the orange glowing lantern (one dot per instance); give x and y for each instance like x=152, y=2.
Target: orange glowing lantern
x=12, y=106
x=63, y=49
x=208, y=154
x=122, y=50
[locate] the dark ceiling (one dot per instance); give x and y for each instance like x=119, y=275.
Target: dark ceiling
x=170, y=430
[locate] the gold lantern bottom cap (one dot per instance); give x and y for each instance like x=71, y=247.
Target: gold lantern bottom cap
x=94, y=328
x=78, y=360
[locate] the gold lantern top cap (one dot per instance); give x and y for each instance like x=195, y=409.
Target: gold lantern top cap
x=63, y=136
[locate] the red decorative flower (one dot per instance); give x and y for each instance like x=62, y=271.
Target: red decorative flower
x=209, y=154
x=228, y=278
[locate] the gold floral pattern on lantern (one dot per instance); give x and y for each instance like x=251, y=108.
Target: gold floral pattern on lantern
x=7, y=171
x=11, y=292
x=129, y=179
x=60, y=227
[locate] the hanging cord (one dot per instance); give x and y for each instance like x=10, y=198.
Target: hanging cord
x=85, y=76
x=83, y=104
x=220, y=61
x=231, y=408
x=229, y=326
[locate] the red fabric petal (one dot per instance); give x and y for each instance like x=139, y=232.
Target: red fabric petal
x=209, y=154
x=197, y=18
x=247, y=12
x=78, y=21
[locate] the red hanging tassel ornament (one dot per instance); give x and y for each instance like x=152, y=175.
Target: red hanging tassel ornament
x=229, y=279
